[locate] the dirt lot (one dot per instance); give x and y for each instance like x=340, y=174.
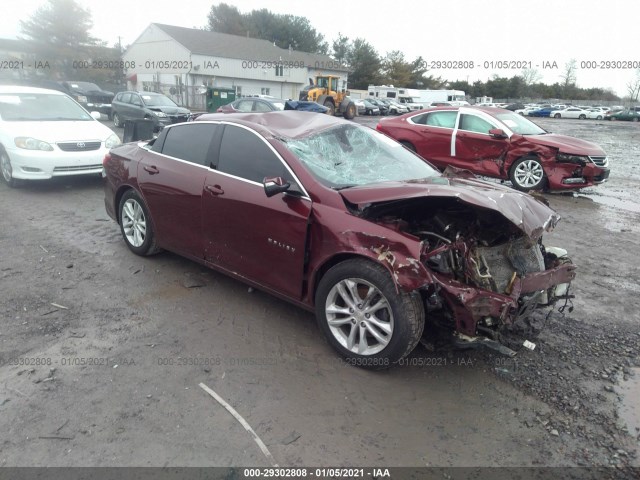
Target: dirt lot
x=101, y=353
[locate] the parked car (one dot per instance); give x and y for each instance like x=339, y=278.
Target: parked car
x=370, y=108
x=253, y=104
x=514, y=106
x=541, y=112
x=628, y=115
x=339, y=219
x=90, y=96
x=383, y=107
x=595, y=113
x=396, y=108
x=569, y=112
x=149, y=105
x=501, y=144
x=45, y=133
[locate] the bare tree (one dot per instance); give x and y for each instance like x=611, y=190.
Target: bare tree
x=633, y=87
x=569, y=77
x=530, y=76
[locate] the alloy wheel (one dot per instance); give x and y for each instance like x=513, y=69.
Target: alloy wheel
x=359, y=316
x=134, y=223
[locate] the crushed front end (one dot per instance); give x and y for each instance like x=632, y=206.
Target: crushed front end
x=485, y=265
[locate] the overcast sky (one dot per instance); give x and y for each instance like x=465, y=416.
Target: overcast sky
x=535, y=31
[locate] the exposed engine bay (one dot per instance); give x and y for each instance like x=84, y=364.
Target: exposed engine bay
x=486, y=271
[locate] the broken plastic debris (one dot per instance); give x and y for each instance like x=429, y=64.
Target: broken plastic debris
x=529, y=345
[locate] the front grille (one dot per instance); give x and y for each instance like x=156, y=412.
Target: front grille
x=79, y=146
x=178, y=118
x=600, y=161
x=76, y=168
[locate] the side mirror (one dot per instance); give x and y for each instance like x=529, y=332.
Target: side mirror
x=275, y=185
x=95, y=115
x=497, y=133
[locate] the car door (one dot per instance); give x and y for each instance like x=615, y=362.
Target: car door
x=434, y=132
x=136, y=107
x=475, y=148
x=171, y=181
x=246, y=232
x=122, y=105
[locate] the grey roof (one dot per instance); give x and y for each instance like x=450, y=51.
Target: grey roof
x=205, y=42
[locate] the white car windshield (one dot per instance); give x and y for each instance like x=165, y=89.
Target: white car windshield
x=350, y=155
x=33, y=107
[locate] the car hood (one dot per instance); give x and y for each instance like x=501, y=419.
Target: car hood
x=60, y=131
x=566, y=144
x=170, y=110
x=523, y=210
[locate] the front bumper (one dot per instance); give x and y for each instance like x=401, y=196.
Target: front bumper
x=39, y=165
x=471, y=304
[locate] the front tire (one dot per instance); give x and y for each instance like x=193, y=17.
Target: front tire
x=7, y=169
x=350, y=112
x=364, y=318
x=332, y=108
x=557, y=115
x=116, y=120
x=582, y=116
x=135, y=225
x=527, y=174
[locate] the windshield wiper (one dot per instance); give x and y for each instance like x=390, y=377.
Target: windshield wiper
x=342, y=187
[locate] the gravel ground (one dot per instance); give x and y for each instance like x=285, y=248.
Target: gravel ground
x=116, y=346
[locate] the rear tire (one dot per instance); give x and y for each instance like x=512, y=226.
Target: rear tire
x=582, y=116
x=557, y=115
x=135, y=225
x=116, y=120
x=364, y=318
x=634, y=119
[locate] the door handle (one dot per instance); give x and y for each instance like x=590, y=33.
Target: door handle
x=214, y=189
x=152, y=169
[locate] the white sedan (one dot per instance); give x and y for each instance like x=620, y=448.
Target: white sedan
x=569, y=112
x=45, y=134
x=525, y=111
x=595, y=113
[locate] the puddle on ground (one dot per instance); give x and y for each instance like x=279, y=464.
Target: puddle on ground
x=629, y=409
x=609, y=201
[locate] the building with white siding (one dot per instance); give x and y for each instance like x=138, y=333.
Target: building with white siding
x=179, y=61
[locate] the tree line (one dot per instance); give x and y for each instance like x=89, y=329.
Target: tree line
x=59, y=31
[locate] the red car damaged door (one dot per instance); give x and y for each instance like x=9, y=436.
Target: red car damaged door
x=171, y=181
x=475, y=148
x=434, y=131
x=246, y=232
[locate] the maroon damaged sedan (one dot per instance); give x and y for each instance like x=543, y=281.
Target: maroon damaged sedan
x=499, y=143
x=341, y=220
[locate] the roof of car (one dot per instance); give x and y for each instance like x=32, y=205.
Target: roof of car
x=144, y=93
x=287, y=123
x=8, y=89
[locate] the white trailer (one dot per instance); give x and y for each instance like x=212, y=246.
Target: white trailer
x=417, y=99
x=400, y=95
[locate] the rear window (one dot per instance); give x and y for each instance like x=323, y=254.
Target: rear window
x=190, y=142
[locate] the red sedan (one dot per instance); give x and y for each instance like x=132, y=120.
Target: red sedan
x=338, y=218
x=499, y=143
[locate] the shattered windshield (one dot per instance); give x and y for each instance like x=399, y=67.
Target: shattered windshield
x=520, y=125
x=350, y=155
